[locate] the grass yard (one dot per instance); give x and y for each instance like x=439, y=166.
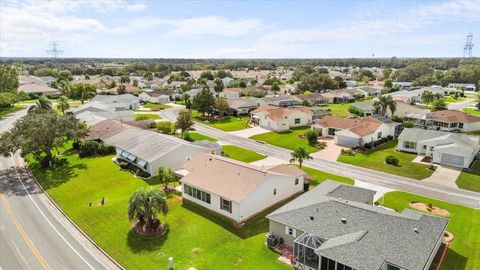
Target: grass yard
x=450, y=99
x=341, y=109
x=145, y=116
x=375, y=160
x=6, y=112
x=196, y=238
x=464, y=223
x=199, y=137
x=471, y=111
x=228, y=123
x=320, y=176
x=288, y=139
x=241, y=154
x=470, y=179
x=156, y=106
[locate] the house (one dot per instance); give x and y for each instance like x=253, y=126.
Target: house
x=450, y=120
x=334, y=226
x=405, y=110
x=158, y=97
x=119, y=102
x=91, y=117
x=369, y=91
x=446, y=148
x=280, y=118
x=402, y=85
x=150, y=150
x=366, y=108
x=463, y=86
x=226, y=81
x=338, y=97
x=39, y=89
x=229, y=94
x=236, y=189
x=415, y=95
x=125, y=88
x=351, y=83
x=353, y=132
x=27, y=79
x=280, y=101
x=313, y=99
x=242, y=106
x=105, y=129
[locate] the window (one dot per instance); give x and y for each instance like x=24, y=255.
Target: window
x=379, y=135
x=410, y=145
x=274, y=191
x=297, y=121
x=290, y=231
x=226, y=205
x=460, y=125
x=424, y=147
x=453, y=125
x=196, y=193
x=296, y=181
x=392, y=267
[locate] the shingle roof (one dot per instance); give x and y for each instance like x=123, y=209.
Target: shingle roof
x=369, y=236
x=105, y=129
x=361, y=126
x=278, y=113
x=452, y=116
x=37, y=88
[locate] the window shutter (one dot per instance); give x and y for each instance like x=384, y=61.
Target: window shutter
x=286, y=229
x=294, y=232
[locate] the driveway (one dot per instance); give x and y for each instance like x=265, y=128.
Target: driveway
x=249, y=132
x=381, y=190
x=443, y=175
x=269, y=161
x=331, y=152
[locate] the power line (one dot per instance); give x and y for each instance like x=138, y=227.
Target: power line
x=54, y=50
x=468, y=48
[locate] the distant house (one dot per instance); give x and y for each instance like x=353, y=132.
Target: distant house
x=446, y=120
x=335, y=226
x=242, y=106
x=313, y=99
x=402, y=85
x=446, y=148
x=235, y=189
x=226, y=81
x=39, y=89
x=369, y=91
x=354, y=132
x=404, y=110
x=126, y=88
x=150, y=150
x=338, y=97
x=463, y=86
x=366, y=108
x=409, y=96
x=280, y=118
x=158, y=97
x=351, y=83
x=119, y=102
x=280, y=101
x=229, y=94
x=105, y=129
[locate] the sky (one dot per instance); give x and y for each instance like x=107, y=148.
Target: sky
x=238, y=29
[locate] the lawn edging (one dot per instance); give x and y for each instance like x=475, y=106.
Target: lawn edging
x=73, y=223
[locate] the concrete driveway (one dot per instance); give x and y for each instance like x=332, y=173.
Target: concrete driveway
x=249, y=132
x=443, y=175
x=331, y=152
x=269, y=161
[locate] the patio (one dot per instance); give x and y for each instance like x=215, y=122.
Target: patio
x=286, y=253
x=331, y=152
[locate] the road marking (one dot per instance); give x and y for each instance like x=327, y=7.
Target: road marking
x=19, y=253
x=23, y=234
x=48, y=221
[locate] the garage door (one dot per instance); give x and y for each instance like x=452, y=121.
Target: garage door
x=346, y=141
x=453, y=160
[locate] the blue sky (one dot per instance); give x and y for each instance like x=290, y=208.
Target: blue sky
x=238, y=29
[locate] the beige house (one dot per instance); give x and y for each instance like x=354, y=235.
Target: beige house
x=236, y=189
x=454, y=120
x=281, y=119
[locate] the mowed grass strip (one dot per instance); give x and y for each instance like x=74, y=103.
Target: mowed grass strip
x=195, y=238
x=320, y=176
x=227, y=123
x=375, y=160
x=464, y=225
x=200, y=137
x=156, y=106
x=7, y=111
x=241, y=154
x=470, y=179
x=288, y=139
x=145, y=116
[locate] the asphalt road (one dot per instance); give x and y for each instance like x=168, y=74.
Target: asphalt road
x=462, y=197
x=33, y=232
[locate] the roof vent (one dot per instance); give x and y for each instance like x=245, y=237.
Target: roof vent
x=415, y=230
x=210, y=159
x=344, y=220
x=312, y=218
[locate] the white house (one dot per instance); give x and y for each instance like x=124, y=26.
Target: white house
x=402, y=85
x=447, y=148
x=158, y=97
x=149, y=150
x=229, y=94
x=354, y=132
x=119, y=102
x=464, y=86
x=416, y=94
x=281, y=119
x=236, y=189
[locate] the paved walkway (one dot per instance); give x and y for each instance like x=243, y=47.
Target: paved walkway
x=249, y=132
x=331, y=152
x=381, y=190
x=443, y=175
x=269, y=161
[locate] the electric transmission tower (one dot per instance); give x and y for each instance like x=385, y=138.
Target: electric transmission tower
x=54, y=51
x=468, y=48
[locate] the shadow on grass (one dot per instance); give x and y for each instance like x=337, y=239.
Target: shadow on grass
x=54, y=177
x=138, y=243
x=453, y=260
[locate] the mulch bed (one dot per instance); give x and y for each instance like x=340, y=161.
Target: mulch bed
x=143, y=230
x=448, y=237
x=433, y=209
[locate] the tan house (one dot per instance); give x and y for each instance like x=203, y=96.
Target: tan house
x=453, y=120
x=236, y=189
x=39, y=89
x=280, y=118
x=353, y=132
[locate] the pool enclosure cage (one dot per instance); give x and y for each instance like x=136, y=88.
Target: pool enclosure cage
x=304, y=255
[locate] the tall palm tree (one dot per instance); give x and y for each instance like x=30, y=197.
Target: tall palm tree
x=145, y=204
x=63, y=104
x=383, y=103
x=427, y=97
x=300, y=154
x=43, y=103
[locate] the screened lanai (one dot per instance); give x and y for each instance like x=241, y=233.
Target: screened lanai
x=304, y=251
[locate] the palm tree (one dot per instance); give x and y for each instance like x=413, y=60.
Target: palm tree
x=63, y=104
x=300, y=154
x=477, y=100
x=145, y=204
x=43, y=103
x=427, y=97
x=383, y=103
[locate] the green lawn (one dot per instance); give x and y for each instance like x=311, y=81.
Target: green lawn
x=228, y=123
x=471, y=111
x=241, y=154
x=199, y=137
x=6, y=112
x=156, y=106
x=341, y=109
x=450, y=99
x=288, y=139
x=320, y=176
x=196, y=238
x=375, y=160
x=470, y=179
x=144, y=116
x=464, y=252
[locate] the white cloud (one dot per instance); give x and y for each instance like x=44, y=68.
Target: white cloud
x=136, y=7
x=214, y=25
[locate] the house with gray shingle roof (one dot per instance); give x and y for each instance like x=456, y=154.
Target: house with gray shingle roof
x=327, y=231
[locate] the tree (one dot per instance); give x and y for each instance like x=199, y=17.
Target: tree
x=312, y=137
x=439, y=105
x=242, y=84
x=218, y=85
x=135, y=83
x=165, y=177
x=42, y=103
x=203, y=102
x=388, y=84
x=207, y=75
x=184, y=121
x=165, y=127
x=82, y=92
x=386, y=72
x=300, y=154
x=275, y=88
x=383, y=104
x=8, y=79
x=40, y=132
x=221, y=106
x=63, y=104
x=145, y=204
x=124, y=80
x=7, y=99
x=340, y=81
x=186, y=100
x=427, y=97
x=477, y=100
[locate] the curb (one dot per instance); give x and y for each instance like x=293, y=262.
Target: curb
x=73, y=223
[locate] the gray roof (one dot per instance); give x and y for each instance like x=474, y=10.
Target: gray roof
x=420, y=134
x=352, y=193
x=370, y=236
x=125, y=98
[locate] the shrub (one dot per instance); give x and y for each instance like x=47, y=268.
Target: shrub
x=392, y=160
x=187, y=137
x=165, y=127
x=407, y=124
x=368, y=145
x=347, y=152
x=397, y=119
x=89, y=148
x=76, y=145
x=389, y=137
x=432, y=167
x=139, y=117
x=321, y=145
x=355, y=110
x=152, y=124
x=312, y=137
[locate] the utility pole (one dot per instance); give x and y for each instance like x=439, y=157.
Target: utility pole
x=55, y=52
x=468, y=47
